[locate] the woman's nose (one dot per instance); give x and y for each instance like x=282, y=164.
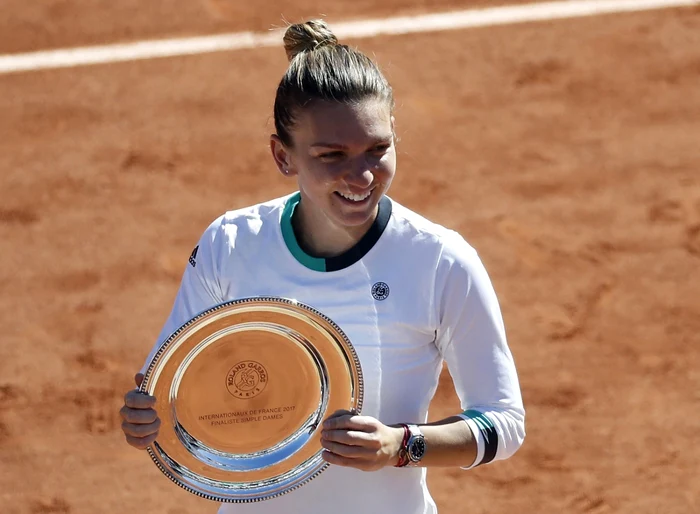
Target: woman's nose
x=360, y=176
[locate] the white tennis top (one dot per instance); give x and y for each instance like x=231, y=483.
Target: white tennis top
x=410, y=296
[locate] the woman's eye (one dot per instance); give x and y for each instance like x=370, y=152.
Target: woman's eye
x=331, y=155
x=381, y=148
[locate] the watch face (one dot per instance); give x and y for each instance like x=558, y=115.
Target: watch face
x=417, y=449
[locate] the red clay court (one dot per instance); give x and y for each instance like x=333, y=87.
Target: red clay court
x=566, y=151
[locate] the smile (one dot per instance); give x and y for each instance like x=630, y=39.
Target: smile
x=355, y=198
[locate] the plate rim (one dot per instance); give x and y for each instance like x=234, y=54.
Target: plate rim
x=281, y=300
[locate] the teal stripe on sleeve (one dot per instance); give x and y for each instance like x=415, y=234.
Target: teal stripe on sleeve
x=488, y=431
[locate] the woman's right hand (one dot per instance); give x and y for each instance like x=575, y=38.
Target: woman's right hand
x=141, y=422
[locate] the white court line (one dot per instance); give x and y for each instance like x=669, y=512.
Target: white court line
x=65, y=58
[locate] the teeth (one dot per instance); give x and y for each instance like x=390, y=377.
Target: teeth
x=355, y=198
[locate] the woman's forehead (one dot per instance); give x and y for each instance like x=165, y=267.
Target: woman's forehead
x=334, y=123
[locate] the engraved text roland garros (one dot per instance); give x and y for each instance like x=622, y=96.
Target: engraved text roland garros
x=246, y=380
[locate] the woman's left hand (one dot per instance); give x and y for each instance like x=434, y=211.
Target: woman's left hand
x=360, y=442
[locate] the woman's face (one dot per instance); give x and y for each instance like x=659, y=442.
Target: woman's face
x=344, y=159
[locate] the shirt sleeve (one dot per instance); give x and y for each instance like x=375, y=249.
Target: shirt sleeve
x=471, y=338
x=199, y=287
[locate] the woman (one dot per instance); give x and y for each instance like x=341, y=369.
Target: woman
x=409, y=293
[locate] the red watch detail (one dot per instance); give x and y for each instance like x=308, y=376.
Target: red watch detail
x=403, y=452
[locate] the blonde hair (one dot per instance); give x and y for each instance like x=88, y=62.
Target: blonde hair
x=322, y=69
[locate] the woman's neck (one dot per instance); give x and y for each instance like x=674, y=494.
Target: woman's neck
x=318, y=236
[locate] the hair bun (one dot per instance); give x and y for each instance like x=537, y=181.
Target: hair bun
x=306, y=37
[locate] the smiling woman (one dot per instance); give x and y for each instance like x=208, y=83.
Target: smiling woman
x=410, y=294
x=335, y=133
x=344, y=159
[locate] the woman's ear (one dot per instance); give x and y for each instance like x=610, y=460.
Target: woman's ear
x=281, y=155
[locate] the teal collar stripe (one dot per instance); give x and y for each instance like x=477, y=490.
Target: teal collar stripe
x=314, y=263
x=338, y=262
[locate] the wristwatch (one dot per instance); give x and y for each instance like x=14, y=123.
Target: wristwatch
x=412, y=446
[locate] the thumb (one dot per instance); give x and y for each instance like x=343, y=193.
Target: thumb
x=138, y=378
x=342, y=412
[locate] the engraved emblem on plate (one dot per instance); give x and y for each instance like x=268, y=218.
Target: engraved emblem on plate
x=246, y=380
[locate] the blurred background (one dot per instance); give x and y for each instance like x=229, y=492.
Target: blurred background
x=566, y=151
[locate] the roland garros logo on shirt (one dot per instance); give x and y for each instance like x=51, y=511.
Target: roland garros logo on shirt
x=246, y=380
x=380, y=291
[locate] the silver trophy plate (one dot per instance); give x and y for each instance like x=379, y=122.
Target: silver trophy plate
x=242, y=390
